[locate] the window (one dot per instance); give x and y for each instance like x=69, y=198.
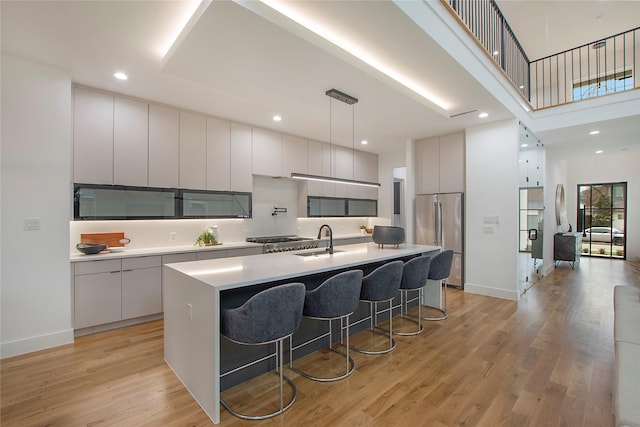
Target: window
x=603, y=85
x=338, y=207
x=601, y=219
x=115, y=202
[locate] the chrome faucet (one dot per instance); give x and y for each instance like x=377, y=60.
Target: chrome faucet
x=330, y=247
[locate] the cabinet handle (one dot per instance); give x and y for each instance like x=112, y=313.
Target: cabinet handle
x=115, y=271
x=131, y=269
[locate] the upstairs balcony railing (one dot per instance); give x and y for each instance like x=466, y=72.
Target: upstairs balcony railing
x=595, y=69
x=485, y=21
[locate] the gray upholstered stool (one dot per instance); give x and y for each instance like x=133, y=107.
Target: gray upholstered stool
x=439, y=270
x=381, y=285
x=414, y=278
x=270, y=316
x=336, y=298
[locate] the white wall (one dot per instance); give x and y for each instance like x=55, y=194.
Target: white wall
x=491, y=249
x=620, y=166
x=35, y=182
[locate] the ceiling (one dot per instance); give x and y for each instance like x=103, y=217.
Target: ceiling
x=546, y=27
x=245, y=62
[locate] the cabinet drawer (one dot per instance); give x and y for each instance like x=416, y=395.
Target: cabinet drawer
x=92, y=267
x=212, y=254
x=244, y=251
x=141, y=262
x=183, y=257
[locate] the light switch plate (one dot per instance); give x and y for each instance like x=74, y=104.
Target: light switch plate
x=31, y=224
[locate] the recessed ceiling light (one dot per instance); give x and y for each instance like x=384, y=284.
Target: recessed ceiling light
x=594, y=132
x=364, y=142
x=524, y=145
x=496, y=53
x=521, y=86
x=599, y=152
x=277, y=118
x=120, y=75
x=483, y=115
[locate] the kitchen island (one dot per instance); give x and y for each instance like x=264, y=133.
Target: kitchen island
x=194, y=292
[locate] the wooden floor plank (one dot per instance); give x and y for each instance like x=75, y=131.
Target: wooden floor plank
x=544, y=360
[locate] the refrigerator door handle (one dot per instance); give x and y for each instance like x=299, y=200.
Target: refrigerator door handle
x=436, y=229
x=440, y=233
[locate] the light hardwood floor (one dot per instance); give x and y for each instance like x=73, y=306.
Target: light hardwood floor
x=543, y=361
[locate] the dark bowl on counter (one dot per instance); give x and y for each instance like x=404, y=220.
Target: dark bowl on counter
x=388, y=235
x=90, y=248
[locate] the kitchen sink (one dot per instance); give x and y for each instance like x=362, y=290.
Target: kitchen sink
x=317, y=253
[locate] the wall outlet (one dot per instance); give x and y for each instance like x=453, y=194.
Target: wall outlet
x=172, y=236
x=190, y=312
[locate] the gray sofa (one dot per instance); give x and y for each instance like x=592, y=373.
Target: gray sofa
x=626, y=374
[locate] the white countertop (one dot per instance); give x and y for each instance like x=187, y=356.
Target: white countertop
x=78, y=256
x=229, y=273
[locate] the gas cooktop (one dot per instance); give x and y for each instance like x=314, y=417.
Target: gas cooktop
x=276, y=239
x=274, y=244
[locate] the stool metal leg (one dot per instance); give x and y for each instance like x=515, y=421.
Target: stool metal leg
x=404, y=311
x=279, y=370
x=378, y=330
x=350, y=364
x=442, y=310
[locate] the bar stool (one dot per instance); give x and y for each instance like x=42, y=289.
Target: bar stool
x=336, y=298
x=414, y=278
x=268, y=317
x=381, y=285
x=440, y=269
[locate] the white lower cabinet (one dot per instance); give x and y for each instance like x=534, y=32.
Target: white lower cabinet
x=113, y=290
x=141, y=286
x=97, y=293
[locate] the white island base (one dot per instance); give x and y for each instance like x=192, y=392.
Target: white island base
x=192, y=300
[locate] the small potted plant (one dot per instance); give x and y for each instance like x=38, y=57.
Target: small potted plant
x=363, y=229
x=206, y=238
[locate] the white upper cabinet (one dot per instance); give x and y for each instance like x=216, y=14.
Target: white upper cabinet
x=164, y=147
x=427, y=166
x=267, y=152
x=440, y=164
x=294, y=155
x=452, y=163
x=365, y=168
x=130, y=142
x=218, y=154
x=276, y=154
x=92, y=137
x=241, y=178
x=193, y=151
x=319, y=163
x=342, y=168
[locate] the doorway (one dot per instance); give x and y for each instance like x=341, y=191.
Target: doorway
x=602, y=213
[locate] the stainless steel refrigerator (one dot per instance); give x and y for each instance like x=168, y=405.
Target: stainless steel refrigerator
x=440, y=221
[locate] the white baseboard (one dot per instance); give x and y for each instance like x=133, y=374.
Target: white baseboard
x=491, y=292
x=27, y=345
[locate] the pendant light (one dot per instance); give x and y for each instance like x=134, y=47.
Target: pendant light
x=350, y=100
